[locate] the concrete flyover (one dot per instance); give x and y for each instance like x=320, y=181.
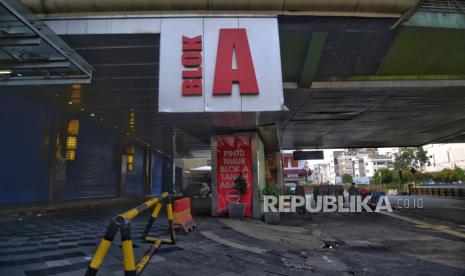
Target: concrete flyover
x=103, y=101
x=371, y=8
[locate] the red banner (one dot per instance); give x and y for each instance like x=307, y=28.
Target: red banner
x=234, y=155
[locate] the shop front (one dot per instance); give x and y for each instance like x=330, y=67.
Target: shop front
x=226, y=73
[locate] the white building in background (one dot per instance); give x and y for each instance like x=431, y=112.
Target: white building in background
x=376, y=162
x=445, y=156
x=322, y=170
x=364, y=162
x=361, y=164
x=389, y=151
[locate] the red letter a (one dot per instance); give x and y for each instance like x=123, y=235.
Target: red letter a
x=234, y=40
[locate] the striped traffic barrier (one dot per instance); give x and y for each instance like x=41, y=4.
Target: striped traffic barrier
x=128, y=250
x=122, y=223
x=182, y=215
x=102, y=249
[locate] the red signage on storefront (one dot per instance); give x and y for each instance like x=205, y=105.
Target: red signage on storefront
x=230, y=42
x=233, y=157
x=192, y=59
x=234, y=41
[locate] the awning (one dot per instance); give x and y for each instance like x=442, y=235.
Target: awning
x=31, y=54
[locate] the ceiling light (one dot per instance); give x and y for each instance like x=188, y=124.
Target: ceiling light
x=70, y=102
x=82, y=109
x=5, y=71
x=19, y=75
x=92, y=114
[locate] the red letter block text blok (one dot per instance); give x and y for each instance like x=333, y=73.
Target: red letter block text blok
x=192, y=44
x=234, y=40
x=191, y=87
x=192, y=58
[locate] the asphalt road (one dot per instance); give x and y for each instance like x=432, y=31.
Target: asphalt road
x=428, y=207
x=63, y=243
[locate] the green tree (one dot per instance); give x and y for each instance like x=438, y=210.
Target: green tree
x=385, y=176
x=459, y=174
x=412, y=159
x=241, y=184
x=425, y=177
x=347, y=178
x=407, y=176
x=447, y=176
x=437, y=177
x=271, y=190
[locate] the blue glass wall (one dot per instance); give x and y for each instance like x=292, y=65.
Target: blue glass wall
x=24, y=150
x=157, y=174
x=25, y=158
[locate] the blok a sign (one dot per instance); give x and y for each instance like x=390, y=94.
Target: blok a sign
x=220, y=65
x=231, y=43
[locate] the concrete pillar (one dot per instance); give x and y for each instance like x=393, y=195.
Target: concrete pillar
x=57, y=164
x=279, y=162
x=120, y=168
x=257, y=175
x=148, y=170
x=260, y=183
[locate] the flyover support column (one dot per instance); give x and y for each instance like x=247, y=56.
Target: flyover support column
x=121, y=170
x=239, y=153
x=57, y=167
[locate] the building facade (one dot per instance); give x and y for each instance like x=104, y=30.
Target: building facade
x=445, y=156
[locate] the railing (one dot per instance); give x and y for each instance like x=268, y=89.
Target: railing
x=437, y=191
x=122, y=223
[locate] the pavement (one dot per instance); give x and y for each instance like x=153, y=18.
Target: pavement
x=311, y=244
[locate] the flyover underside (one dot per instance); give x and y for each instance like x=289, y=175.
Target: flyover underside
x=352, y=97
x=366, y=114
x=329, y=115
x=386, y=8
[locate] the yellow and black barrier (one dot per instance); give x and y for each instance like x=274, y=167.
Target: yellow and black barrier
x=122, y=223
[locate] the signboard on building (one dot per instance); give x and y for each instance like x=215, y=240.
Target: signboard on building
x=234, y=156
x=308, y=155
x=220, y=65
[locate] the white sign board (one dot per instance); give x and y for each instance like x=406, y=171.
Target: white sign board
x=220, y=65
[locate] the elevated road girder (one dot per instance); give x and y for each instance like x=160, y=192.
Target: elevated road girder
x=373, y=113
x=366, y=8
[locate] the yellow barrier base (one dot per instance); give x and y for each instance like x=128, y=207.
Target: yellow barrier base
x=122, y=223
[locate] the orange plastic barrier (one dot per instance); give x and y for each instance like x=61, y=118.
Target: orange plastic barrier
x=182, y=215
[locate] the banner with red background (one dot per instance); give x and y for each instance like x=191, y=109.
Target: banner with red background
x=234, y=155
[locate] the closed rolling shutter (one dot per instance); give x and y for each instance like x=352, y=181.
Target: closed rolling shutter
x=135, y=178
x=91, y=174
